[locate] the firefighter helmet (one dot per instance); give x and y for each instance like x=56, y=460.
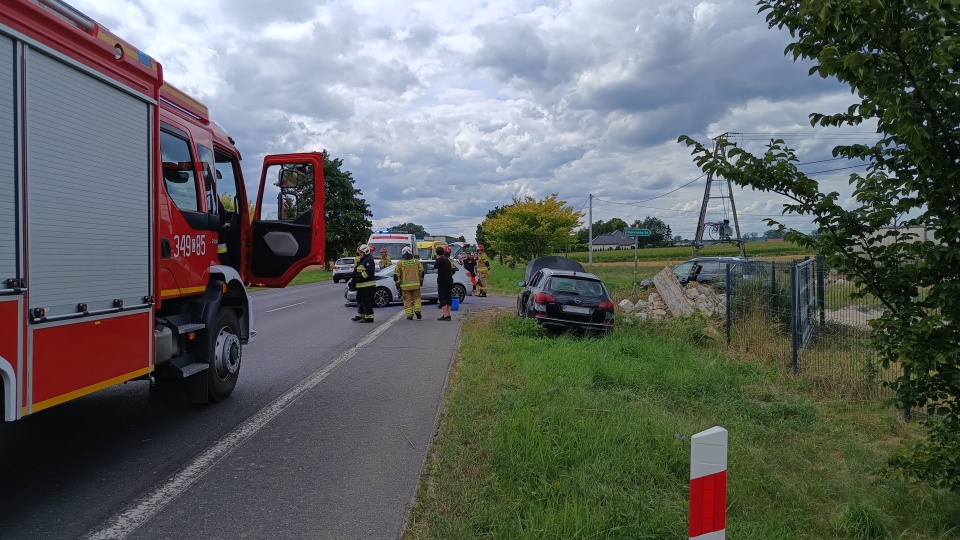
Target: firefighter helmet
x=365, y=249
x=479, y=247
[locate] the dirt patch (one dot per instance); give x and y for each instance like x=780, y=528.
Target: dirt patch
x=859, y=316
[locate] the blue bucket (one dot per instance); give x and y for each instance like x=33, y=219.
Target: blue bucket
x=455, y=305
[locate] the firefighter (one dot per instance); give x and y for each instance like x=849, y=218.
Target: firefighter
x=483, y=269
x=409, y=278
x=356, y=259
x=470, y=264
x=364, y=276
x=385, y=259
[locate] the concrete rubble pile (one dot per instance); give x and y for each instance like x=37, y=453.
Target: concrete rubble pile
x=670, y=299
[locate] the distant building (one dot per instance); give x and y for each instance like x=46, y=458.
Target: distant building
x=611, y=241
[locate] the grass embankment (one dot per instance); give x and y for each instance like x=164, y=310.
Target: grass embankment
x=647, y=257
x=312, y=274
x=682, y=253
x=617, y=277
x=589, y=438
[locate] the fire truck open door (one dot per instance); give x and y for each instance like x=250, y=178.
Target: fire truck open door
x=288, y=222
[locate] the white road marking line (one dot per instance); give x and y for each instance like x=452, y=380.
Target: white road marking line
x=126, y=522
x=284, y=307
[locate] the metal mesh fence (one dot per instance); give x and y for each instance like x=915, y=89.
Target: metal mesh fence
x=804, y=317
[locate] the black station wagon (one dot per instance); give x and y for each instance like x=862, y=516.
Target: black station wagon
x=561, y=299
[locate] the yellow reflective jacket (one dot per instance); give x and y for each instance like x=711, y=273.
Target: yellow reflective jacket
x=409, y=274
x=483, y=264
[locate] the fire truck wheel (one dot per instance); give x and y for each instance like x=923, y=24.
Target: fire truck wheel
x=225, y=355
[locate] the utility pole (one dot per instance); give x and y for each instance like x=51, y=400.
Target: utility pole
x=722, y=228
x=590, y=240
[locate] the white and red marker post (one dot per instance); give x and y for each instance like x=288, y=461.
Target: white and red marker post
x=708, y=484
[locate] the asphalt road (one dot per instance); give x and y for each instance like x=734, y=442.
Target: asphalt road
x=324, y=437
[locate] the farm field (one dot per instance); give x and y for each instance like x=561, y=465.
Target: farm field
x=763, y=250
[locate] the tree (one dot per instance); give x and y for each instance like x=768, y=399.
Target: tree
x=616, y=224
x=774, y=233
x=230, y=205
x=660, y=233
x=900, y=59
x=607, y=227
x=411, y=228
x=583, y=236
x=482, y=239
x=529, y=228
x=344, y=211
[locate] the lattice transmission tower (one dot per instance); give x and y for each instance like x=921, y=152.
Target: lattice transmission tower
x=718, y=232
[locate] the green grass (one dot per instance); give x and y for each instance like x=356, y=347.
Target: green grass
x=682, y=253
x=617, y=278
x=311, y=275
x=589, y=438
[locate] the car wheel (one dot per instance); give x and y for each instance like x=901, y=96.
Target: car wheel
x=381, y=297
x=459, y=291
x=521, y=309
x=336, y=280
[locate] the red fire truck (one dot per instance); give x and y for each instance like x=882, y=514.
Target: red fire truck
x=126, y=238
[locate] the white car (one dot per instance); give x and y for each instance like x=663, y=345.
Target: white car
x=386, y=289
x=343, y=269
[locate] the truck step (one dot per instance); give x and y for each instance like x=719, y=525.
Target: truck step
x=189, y=327
x=192, y=369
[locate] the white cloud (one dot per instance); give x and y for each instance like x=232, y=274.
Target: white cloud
x=443, y=110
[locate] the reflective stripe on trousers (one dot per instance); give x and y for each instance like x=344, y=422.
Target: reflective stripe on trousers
x=411, y=301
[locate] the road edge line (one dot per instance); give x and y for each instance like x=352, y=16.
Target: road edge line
x=126, y=522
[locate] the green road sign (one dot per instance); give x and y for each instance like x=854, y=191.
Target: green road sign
x=637, y=232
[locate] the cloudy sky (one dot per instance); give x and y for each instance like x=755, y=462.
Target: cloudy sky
x=444, y=110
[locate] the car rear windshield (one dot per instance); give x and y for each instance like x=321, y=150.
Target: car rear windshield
x=572, y=285
x=345, y=261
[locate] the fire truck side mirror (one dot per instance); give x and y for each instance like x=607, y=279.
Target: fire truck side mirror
x=175, y=176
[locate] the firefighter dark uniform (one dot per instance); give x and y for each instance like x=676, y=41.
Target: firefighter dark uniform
x=409, y=278
x=483, y=269
x=364, y=277
x=470, y=264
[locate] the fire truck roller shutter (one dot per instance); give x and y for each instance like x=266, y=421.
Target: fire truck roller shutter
x=88, y=189
x=8, y=173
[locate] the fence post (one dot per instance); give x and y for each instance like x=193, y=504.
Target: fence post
x=708, y=484
x=820, y=291
x=729, y=298
x=795, y=317
x=773, y=286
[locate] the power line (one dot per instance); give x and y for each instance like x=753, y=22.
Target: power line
x=819, y=135
x=585, y=201
x=840, y=169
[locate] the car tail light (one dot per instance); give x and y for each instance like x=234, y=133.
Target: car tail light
x=607, y=305
x=543, y=298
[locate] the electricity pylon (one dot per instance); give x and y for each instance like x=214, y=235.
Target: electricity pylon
x=720, y=231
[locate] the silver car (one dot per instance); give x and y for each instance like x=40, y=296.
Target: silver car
x=343, y=269
x=386, y=289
